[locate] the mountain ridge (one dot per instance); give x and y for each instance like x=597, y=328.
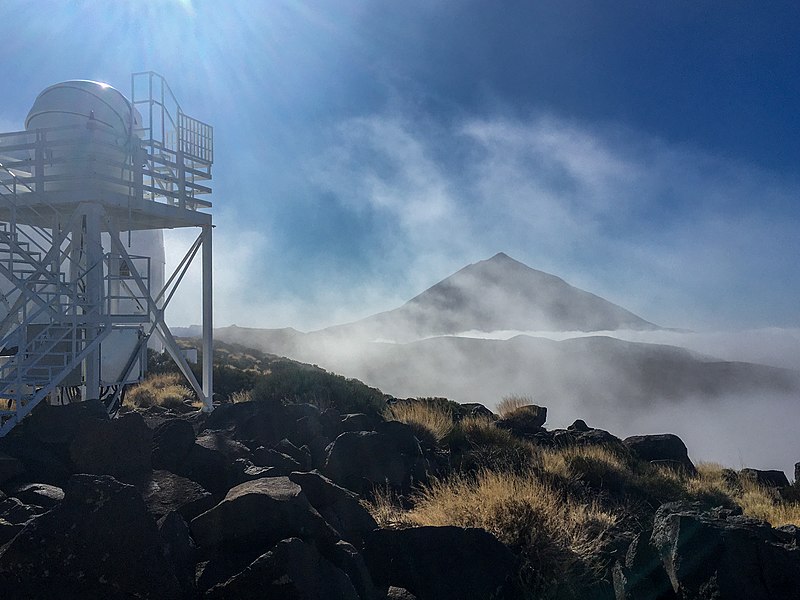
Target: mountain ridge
x=499, y=293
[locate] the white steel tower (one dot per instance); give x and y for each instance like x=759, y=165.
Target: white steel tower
x=92, y=181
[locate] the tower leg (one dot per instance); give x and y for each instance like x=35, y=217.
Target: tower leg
x=94, y=295
x=208, y=324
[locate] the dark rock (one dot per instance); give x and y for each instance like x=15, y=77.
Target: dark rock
x=301, y=455
x=16, y=512
x=345, y=557
x=339, y=507
x=579, y=425
x=164, y=492
x=42, y=463
x=120, y=447
x=59, y=424
x=266, y=457
x=98, y=543
x=257, y=514
x=770, y=478
x=210, y=468
x=442, y=563
x=217, y=440
x=10, y=467
x=474, y=409
x=292, y=570
x=590, y=437
x=797, y=474
x=360, y=460
x=331, y=422
x=357, y=422
x=172, y=442
x=664, y=446
x=247, y=471
x=40, y=494
x=724, y=559
x=641, y=576
x=398, y=593
x=524, y=421
x=180, y=551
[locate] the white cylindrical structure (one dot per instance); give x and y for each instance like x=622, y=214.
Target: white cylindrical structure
x=76, y=102
x=110, y=120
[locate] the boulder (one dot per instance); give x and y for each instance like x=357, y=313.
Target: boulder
x=660, y=447
x=119, y=447
x=578, y=425
x=267, y=457
x=164, y=492
x=217, y=440
x=10, y=467
x=257, y=514
x=345, y=557
x=180, y=551
x=341, y=508
x=59, y=424
x=98, y=543
x=41, y=494
x=441, y=563
x=724, y=556
x=475, y=409
x=398, y=593
x=361, y=460
x=293, y=570
x=210, y=468
x=301, y=455
x=641, y=576
x=357, y=422
x=771, y=478
x=524, y=421
x=42, y=463
x=172, y=442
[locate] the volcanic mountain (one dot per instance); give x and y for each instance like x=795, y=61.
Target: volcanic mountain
x=493, y=295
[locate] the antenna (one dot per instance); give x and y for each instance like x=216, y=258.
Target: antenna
x=86, y=191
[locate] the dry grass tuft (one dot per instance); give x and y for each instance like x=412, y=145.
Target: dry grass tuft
x=430, y=422
x=482, y=431
x=241, y=396
x=558, y=537
x=508, y=404
x=167, y=390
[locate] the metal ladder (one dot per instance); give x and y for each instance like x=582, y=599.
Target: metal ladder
x=43, y=337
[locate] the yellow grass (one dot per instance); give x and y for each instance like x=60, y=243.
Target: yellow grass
x=508, y=404
x=165, y=390
x=482, y=431
x=431, y=423
x=241, y=396
x=557, y=536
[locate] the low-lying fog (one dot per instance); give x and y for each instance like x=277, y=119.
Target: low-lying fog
x=738, y=417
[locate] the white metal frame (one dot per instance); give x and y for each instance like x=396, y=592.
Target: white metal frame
x=60, y=190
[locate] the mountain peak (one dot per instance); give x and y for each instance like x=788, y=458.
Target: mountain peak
x=497, y=294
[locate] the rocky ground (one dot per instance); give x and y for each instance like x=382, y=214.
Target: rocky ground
x=265, y=500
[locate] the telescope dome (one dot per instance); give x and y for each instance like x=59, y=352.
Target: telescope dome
x=76, y=102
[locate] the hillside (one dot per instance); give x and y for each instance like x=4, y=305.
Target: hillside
x=283, y=494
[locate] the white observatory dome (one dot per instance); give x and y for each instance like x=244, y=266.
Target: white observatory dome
x=76, y=102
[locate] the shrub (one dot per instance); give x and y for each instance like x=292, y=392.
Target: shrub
x=508, y=404
x=430, y=421
x=289, y=381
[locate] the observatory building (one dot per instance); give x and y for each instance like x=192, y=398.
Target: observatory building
x=86, y=191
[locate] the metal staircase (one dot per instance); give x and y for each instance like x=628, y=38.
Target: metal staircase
x=44, y=334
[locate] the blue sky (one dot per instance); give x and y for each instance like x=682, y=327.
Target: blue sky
x=644, y=151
